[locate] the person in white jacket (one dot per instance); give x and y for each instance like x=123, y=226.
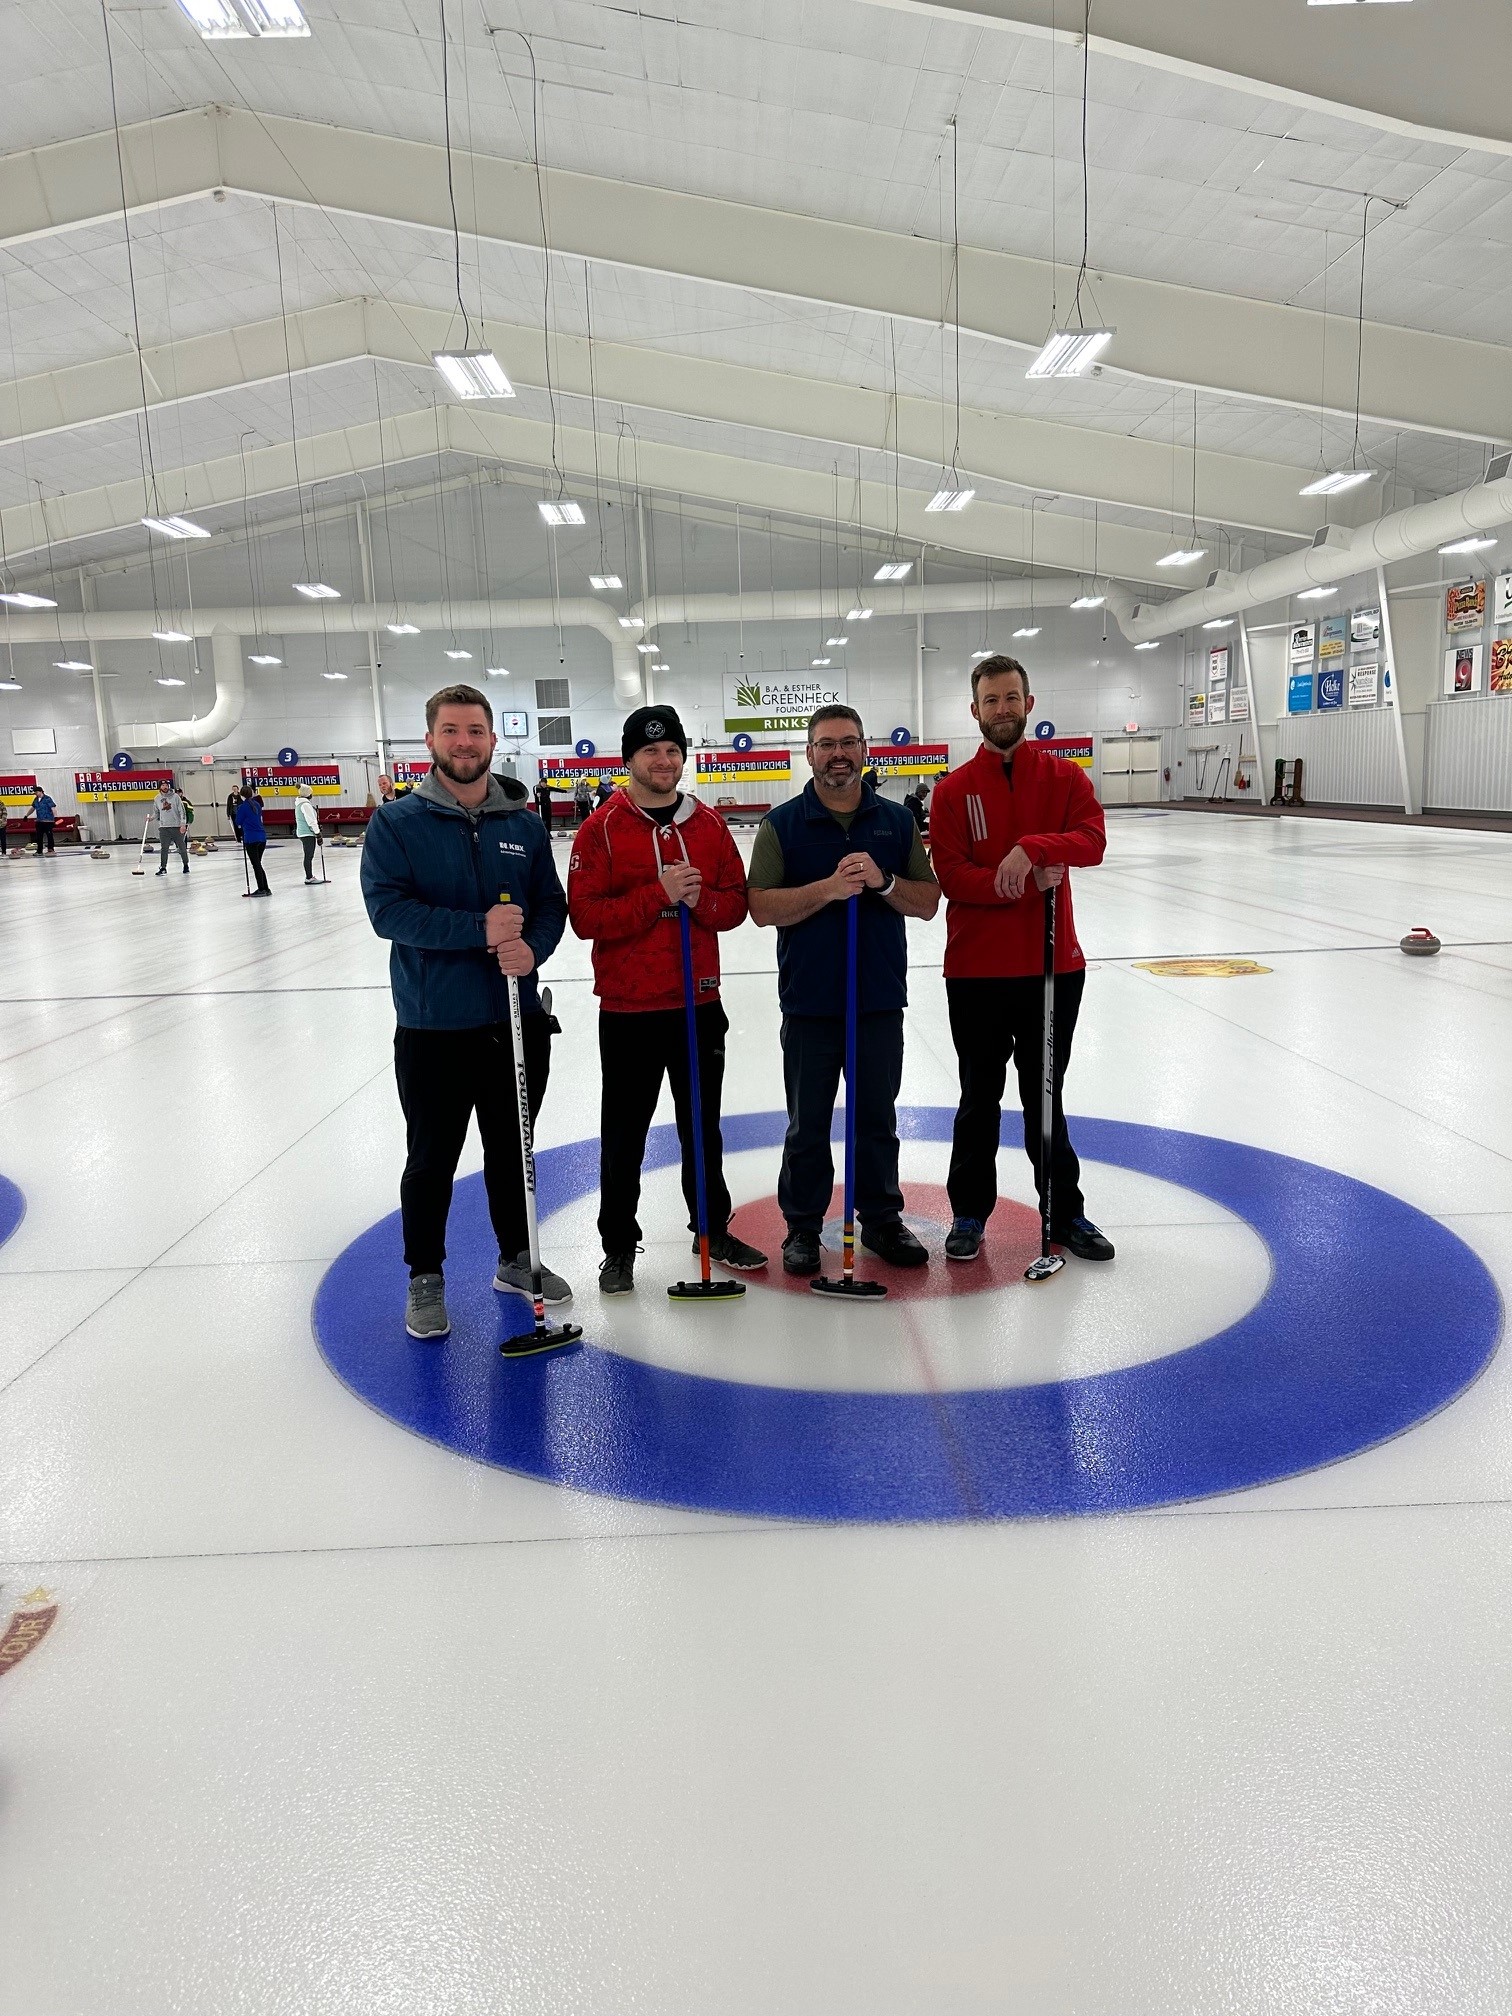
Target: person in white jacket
x=307, y=826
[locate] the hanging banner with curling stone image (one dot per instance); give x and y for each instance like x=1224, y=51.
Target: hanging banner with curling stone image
x=908, y=759
x=18, y=790
x=120, y=786
x=565, y=772
x=749, y=766
x=757, y=703
x=1465, y=606
x=273, y=780
x=1333, y=634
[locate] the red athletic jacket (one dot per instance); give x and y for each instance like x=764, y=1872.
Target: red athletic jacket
x=979, y=814
x=615, y=898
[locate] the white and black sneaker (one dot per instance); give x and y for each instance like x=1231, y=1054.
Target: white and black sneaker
x=425, y=1314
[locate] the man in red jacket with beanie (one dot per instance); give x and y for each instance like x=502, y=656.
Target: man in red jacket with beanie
x=635, y=860
x=1005, y=828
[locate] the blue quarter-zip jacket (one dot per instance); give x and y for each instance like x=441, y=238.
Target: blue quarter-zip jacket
x=429, y=876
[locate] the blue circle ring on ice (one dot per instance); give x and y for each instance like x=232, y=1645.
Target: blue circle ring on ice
x=12, y=1208
x=1375, y=1317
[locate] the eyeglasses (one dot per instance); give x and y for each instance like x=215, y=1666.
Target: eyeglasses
x=849, y=747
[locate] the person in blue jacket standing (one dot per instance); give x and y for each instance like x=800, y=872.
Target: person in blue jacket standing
x=253, y=835
x=45, y=812
x=458, y=876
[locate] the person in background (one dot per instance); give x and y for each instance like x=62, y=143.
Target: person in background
x=45, y=812
x=582, y=799
x=916, y=800
x=307, y=827
x=233, y=812
x=253, y=835
x=168, y=810
x=543, y=803
x=385, y=789
x=840, y=840
x=603, y=794
x=871, y=778
x=4, y=822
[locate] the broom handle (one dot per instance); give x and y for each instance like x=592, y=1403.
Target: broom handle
x=849, y=1231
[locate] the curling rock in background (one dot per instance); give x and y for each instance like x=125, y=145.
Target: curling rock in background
x=1420, y=942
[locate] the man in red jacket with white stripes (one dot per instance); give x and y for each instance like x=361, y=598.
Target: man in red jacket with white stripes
x=640, y=855
x=1004, y=829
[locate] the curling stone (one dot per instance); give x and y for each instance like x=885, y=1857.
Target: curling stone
x=1420, y=942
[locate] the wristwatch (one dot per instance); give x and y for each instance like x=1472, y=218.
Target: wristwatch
x=888, y=886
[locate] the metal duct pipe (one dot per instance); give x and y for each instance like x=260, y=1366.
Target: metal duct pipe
x=1339, y=553
x=807, y=604
x=224, y=716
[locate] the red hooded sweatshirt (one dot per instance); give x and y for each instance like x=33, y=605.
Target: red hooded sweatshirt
x=977, y=816
x=616, y=899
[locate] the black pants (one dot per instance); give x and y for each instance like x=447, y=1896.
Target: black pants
x=44, y=835
x=992, y=1021
x=307, y=841
x=253, y=849
x=813, y=1058
x=636, y=1051
x=445, y=1076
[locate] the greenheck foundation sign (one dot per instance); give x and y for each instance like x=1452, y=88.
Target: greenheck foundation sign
x=758, y=705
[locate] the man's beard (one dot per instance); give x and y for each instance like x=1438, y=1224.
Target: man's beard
x=840, y=774
x=1004, y=735
x=460, y=769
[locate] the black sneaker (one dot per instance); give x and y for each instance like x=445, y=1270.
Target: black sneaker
x=732, y=1252
x=893, y=1242
x=1082, y=1238
x=800, y=1253
x=964, y=1239
x=617, y=1274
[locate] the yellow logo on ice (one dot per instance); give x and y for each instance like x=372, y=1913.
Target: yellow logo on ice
x=1202, y=969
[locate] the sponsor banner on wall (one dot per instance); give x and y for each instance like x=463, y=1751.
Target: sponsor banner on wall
x=410, y=773
x=1196, y=709
x=749, y=766
x=278, y=780
x=1501, y=606
x=93, y=786
x=1301, y=648
x=568, y=771
x=1218, y=665
x=908, y=759
x=1462, y=669
x=17, y=789
x=759, y=704
x=1333, y=633
x=1217, y=706
x=1074, y=748
x=1299, y=693
x=1501, y=665
x=1364, y=684
x=1330, y=688
x=1238, y=702
x=1365, y=625
x=1465, y=606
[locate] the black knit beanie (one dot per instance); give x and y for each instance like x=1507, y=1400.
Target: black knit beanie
x=652, y=724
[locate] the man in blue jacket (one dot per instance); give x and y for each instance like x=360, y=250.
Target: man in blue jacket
x=253, y=834
x=45, y=812
x=841, y=839
x=458, y=876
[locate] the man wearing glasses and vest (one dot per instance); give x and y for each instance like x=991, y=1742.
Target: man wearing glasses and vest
x=837, y=840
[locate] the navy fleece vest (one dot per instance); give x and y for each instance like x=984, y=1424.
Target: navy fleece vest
x=811, y=955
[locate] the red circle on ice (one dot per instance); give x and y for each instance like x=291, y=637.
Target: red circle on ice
x=1011, y=1242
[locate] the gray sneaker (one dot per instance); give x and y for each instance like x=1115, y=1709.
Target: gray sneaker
x=515, y=1274
x=425, y=1314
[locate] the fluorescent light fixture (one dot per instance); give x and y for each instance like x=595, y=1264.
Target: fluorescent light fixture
x=632, y=622
x=333, y=675
x=497, y=672
x=1068, y=353
x=1029, y=630
x=274, y=17
x=1182, y=556
x=893, y=570
x=459, y=654
x=831, y=643
x=317, y=591
x=1089, y=601
x=1315, y=594
x=72, y=665
x=262, y=658
x=1354, y=3
x=1220, y=623
x=19, y=598
x=1476, y=543
x=661, y=668
x=10, y=685
x=648, y=650
x=172, y=636
x=473, y=374
x=985, y=650
x=950, y=497
x=858, y=615
x=1335, y=481
x=561, y=511
x=220, y=21
x=176, y=527
x=216, y=20
x=170, y=682
x=402, y=629
x=605, y=581
x=817, y=662
x=1153, y=644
